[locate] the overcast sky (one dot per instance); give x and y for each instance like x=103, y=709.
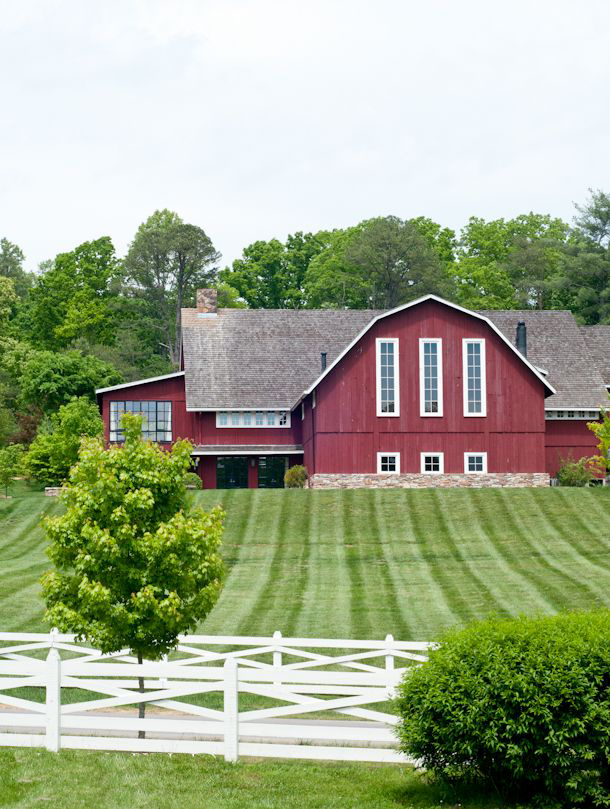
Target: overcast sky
x=256, y=119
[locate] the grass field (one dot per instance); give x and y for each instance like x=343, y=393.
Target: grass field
x=364, y=563
x=325, y=563
x=79, y=779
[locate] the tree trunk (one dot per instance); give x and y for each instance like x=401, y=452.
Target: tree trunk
x=178, y=332
x=142, y=705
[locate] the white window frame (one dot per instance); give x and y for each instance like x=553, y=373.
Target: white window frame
x=422, y=376
x=230, y=416
x=465, y=342
x=441, y=465
x=378, y=343
x=395, y=455
x=468, y=455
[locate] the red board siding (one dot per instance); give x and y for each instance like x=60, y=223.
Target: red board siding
x=167, y=390
x=200, y=428
x=348, y=433
x=567, y=439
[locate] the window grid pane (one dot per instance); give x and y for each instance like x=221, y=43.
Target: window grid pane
x=474, y=377
x=430, y=378
x=156, y=420
x=387, y=377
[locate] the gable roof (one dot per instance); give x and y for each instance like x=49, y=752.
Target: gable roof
x=597, y=340
x=270, y=358
x=416, y=302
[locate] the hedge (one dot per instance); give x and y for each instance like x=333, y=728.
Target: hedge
x=520, y=705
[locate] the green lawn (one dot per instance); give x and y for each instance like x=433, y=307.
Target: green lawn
x=79, y=779
x=325, y=563
x=364, y=563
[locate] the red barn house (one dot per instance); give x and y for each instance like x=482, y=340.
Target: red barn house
x=427, y=394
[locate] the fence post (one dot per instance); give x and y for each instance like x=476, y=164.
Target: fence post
x=231, y=711
x=389, y=658
x=53, y=701
x=277, y=655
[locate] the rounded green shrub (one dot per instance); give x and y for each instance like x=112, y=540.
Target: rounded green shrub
x=520, y=705
x=193, y=481
x=295, y=477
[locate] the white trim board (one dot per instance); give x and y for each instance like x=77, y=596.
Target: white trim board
x=222, y=453
x=139, y=382
x=416, y=302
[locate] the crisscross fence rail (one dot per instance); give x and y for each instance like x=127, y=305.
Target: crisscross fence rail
x=313, y=698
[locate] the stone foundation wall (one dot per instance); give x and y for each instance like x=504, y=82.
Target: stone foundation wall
x=53, y=491
x=417, y=481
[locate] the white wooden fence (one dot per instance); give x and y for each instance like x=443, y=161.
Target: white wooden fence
x=231, y=696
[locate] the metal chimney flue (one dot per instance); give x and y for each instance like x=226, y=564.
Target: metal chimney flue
x=323, y=360
x=522, y=338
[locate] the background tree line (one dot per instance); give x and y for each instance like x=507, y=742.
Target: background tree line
x=88, y=318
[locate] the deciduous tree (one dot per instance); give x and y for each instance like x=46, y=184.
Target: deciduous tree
x=135, y=566
x=55, y=449
x=168, y=260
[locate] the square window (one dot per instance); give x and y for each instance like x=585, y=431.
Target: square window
x=388, y=463
x=223, y=419
x=475, y=462
x=247, y=419
x=432, y=462
x=235, y=419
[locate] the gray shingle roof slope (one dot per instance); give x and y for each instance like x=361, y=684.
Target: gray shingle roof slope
x=555, y=343
x=597, y=339
x=261, y=358
x=266, y=358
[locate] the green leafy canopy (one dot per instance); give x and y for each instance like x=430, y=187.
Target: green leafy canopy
x=135, y=567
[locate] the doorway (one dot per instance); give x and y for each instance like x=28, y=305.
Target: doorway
x=232, y=473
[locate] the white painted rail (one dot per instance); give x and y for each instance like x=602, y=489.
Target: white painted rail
x=314, y=698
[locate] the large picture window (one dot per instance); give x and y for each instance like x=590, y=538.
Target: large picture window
x=430, y=377
x=156, y=420
x=388, y=390
x=473, y=367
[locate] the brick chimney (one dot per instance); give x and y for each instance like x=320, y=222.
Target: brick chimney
x=207, y=302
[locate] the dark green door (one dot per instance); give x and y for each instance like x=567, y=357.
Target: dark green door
x=232, y=473
x=271, y=471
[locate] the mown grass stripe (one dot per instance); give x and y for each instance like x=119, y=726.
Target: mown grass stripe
x=570, y=588
x=396, y=612
x=525, y=587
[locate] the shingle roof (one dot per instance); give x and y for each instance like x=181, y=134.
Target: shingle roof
x=261, y=358
x=597, y=339
x=265, y=358
x=555, y=344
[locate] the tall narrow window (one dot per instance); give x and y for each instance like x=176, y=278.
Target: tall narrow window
x=388, y=391
x=473, y=368
x=430, y=377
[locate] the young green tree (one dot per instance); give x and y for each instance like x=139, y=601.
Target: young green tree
x=601, y=430
x=55, y=449
x=594, y=218
x=135, y=566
